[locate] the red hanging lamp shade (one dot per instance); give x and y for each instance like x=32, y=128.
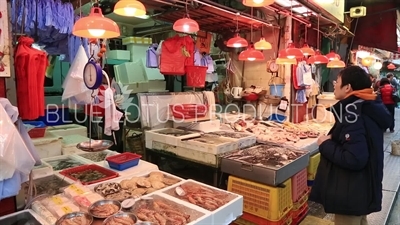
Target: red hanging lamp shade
x=257, y=3
x=95, y=26
x=237, y=42
x=318, y=58
x=130, y=8
x=391, y=66
x=250, y=54
x=307, y=51
x=186, y=25
x=332, y=55
x=293, y=53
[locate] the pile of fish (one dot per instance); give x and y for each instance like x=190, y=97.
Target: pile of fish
x=266, y=155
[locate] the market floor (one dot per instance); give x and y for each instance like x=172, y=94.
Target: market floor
x=390, y=194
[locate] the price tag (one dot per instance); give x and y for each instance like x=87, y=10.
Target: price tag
x=66, y=209
x=76, y=189
x=57, y=200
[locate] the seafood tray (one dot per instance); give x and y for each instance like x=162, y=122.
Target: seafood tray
x=210, y=144
x=224, y=206
x=23, y=217
x=167, y=210
x=125, y=187
x=269, y=164
x=50, y=185
x=188, y=153
x=170, y=136
x=42, y=170
x=244, y=140
x=89, y=174
x=96, y=157
x=63, y=162
x=141, y=168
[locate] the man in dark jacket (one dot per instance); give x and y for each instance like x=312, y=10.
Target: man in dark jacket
x=348, y=182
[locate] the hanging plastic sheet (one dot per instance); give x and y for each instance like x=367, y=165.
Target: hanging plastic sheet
x=74, y=86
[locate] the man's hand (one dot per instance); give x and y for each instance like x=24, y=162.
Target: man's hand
x=323, y=138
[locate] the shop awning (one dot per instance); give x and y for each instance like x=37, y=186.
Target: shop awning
x=378, y=28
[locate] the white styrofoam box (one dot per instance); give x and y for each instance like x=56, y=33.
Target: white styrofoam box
x=73, y=157
x=68, y=129
x=69, y=143
x=326, y=99
x=35, y=215
x=204, y=126
x=168, y=139
x=225, y=145
x=137, y=51
x=141, y=168
x=48, y=146
x=132, y=75
x=202, y=217
x=246, y=139
x=108, y=152
x=141, y=174
x=223, y=215
x=149, y=144
x=119, y=55
x=43, y=170
x=156, y=85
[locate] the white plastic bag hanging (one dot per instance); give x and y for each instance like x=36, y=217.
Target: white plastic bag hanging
x=74, y=86
x=14, y=155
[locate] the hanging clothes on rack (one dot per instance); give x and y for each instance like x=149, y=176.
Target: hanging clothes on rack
x=151, y=56
x=30, y=69
x=303, y=76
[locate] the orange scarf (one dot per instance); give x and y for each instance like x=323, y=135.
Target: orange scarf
x=365, y=94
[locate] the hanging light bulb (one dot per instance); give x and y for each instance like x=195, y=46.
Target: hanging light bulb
x=318, y=58
x=285, y=61
x=378, y=65
x=257, y=3
x=237, y=42
x=307, y=51
x=130, y=8
x=95, y=26
x=262, y=44
x=292, y=52
x=367, y=61
x=336, y=63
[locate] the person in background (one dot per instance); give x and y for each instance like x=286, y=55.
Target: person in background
x=386, y=91
x=348, y=182
x=393, y=81
x=374, y=81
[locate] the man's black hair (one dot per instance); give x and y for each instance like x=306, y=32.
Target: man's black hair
x=384, y=81
x=356, y=77
x=389, y=75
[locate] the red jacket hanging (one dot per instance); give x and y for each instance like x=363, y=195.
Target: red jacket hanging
x=176, y=53
x=30, y=67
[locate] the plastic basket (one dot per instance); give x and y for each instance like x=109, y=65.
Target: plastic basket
x=196, y=76
x=303, y=199
x=108, y=173
x=248, y=219
x=271, y=203
x=123, y=161
x=313, y=166
x=189, y=111
x=299, y=185
x=39, y=130
x=300, y=214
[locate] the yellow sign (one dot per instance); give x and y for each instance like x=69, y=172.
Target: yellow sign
x=57, y=200
x=333, y=7
x=76, y=189
x=66, y=209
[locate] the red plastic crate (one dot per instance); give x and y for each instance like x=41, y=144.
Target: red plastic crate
x=249, y=219
x=300, y=214
x=109, y=173
x=299, y=185
x=123, y=161
x=302, y=200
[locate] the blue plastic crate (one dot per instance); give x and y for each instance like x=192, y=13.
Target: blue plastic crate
x=277, y=118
